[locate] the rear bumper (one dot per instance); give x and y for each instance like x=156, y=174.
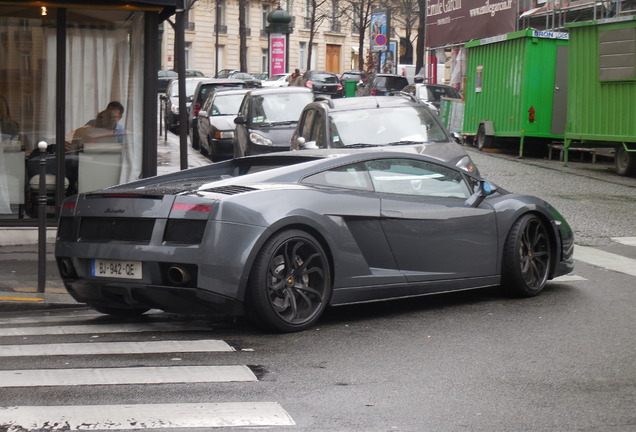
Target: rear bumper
x=170, y=299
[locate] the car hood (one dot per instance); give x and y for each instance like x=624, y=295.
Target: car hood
x=280, y=135
x=223, y=122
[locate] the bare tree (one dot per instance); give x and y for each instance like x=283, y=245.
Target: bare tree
x=318, y=11
x=243, y=34
x=421, y=36
x=406, y=14
x=360, y=13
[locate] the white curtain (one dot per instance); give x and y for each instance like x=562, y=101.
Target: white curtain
x=103, y=64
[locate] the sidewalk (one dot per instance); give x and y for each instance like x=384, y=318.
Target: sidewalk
x=19, y=248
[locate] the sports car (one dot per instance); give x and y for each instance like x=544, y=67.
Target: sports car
x=280, y=237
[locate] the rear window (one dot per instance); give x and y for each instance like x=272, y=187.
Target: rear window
x=206, y=89
x=396, y=83
x=328, y=78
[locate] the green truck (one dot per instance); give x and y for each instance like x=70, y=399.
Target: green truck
x=516, y=88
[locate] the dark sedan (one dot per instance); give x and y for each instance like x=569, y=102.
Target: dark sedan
x=323, y=83
x=215, y=123
x=267, y=119
x=280, y=237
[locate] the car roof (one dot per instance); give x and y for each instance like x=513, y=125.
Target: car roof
x=347, y=104
x=230, y=92
x=270, y=90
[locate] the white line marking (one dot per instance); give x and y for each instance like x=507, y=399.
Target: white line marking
x=97, y=348
x=120, y=417
x=604, y=259
x=101, y=328
x=628, y=241
x=68, y=316
x=568, y=278
x=127, y=375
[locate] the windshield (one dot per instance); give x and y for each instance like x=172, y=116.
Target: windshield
x=279, y=107
x=226, y=104
x=395, y=125
x=436, y=93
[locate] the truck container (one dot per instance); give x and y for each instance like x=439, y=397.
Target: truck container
x=516, y=87
x=602, y=88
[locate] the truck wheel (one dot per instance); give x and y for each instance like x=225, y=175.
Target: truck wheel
x=624, y=161
x=483, y=141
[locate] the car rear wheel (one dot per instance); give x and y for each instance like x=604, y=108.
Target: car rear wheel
x=290, y=283
x=483, y=141
x=526, y=258
x=120, y=312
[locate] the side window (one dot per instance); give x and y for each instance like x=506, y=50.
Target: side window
x=346, y=177
x=413, y=177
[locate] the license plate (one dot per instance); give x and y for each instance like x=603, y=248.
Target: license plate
x=116, y=269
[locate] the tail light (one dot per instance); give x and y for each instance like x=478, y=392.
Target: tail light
x=197, y=108
x=191, y=207
x=374, y=91
x=339, y=86
x=309, y=84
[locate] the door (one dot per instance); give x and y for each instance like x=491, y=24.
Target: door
x=333, y=59
x=559, y=103
x=433, y=234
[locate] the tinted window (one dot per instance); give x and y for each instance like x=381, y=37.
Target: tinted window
x=328, y=78
x=413, y=177
x=278, y=107
x=348, y=177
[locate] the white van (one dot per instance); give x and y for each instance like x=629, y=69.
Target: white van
x=407, y=71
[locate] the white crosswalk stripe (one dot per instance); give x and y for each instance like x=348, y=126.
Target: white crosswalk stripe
x=177, y=416
x=118, y=417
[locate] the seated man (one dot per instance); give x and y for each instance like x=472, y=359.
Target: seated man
x=118, y=110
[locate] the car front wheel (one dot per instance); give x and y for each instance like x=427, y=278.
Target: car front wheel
x=526, y=258
x=624, y=161
x=290, y=283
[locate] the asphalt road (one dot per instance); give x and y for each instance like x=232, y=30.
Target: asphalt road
x=474, y=361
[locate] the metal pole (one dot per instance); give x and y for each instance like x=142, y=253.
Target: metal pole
x=42, y=146
x=183, y=114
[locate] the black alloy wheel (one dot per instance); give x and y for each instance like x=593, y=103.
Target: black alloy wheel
x=290, y=283
x=527, y=257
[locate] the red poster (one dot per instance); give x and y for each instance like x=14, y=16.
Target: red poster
x=277, y=50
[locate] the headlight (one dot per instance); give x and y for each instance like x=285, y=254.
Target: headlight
x=260, y=140
x=467, y=165
x=223, y=134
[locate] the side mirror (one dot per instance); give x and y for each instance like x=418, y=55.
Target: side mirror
x=163, y=97
x=457, y=138
x=307, y=145
x=485, y=189
x=240, y=120
x=203, y=114
x=189, y=99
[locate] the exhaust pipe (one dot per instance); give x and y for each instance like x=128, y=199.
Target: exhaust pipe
x=66, y=268
x=178, y=275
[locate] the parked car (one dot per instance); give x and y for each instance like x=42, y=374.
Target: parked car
x=170, y=100
x=261, y=76
x=278, y=80
x=201, y=92
x=250, y=79
x=194, y=73
x=323, y=83
x=225, y=73
x=432, y=93
x=215, y=123
x=267, y=118
x=377, y=121
x=354, y=75
x=382, y=85
x=280, y=237
x=163, y=79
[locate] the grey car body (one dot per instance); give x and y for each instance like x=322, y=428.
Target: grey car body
x=279, y=237
x=170, y=100
x=432, y=93
x=267, y=118
x=215, y=123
